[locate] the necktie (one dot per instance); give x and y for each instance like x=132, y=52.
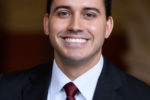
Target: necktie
x=70, y=90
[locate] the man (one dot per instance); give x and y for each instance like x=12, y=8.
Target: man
x=77, y=30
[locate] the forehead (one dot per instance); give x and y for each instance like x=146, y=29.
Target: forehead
x=99, y=4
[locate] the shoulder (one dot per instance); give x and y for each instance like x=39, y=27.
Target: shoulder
x=128, y=86
x=18, y=77
x=133, y=87
x=12, y=83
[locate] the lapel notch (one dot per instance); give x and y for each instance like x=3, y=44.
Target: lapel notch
x=108, y=83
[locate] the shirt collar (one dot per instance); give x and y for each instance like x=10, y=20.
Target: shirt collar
x=86, y=83
x=83, y=82
x=59, y=79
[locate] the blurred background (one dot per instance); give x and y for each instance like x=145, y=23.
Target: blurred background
x=24, y=45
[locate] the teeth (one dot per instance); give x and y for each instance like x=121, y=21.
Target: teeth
x=75, y=40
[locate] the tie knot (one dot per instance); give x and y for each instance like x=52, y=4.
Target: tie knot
x=70, y=89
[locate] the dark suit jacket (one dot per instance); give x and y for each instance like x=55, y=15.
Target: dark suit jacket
x=33, y=84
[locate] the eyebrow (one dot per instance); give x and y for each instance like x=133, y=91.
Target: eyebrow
x=91, y=8
x=68, y=7
x=61, y=6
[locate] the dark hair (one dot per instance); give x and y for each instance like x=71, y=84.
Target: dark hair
x=49, y=3
x=108, y=7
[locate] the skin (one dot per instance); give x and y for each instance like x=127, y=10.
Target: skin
x=71, y=20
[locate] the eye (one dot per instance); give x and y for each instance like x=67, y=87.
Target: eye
x=90, y=15
x=63, y=13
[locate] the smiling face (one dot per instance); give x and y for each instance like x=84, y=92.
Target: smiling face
x=77, y=29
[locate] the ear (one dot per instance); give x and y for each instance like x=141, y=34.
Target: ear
x=45, y=24
x=109, y=26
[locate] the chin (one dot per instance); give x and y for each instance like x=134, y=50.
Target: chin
x=76, y=56
x=76, y=59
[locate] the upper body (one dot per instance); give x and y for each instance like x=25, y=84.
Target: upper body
x=77, y=30
x=33, y=84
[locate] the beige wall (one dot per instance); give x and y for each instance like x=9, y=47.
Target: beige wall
x=133, y=16
x=22, y=14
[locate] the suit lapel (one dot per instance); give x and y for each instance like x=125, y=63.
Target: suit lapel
x=108, y=83
x=38, y=83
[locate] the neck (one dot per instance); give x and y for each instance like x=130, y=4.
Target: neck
x=73, y=69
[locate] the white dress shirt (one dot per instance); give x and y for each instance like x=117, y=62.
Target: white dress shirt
x=86, y=83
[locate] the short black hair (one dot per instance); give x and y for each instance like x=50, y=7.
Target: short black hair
x=108, y=7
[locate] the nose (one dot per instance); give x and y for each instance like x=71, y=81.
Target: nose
x=75, y=24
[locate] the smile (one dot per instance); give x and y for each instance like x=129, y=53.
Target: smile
x=75, y=40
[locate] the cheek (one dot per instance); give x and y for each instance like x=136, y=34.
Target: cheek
x=57, y=26
x=93, y=28
x=97, y=29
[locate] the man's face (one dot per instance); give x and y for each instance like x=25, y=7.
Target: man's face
x=77, y=28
